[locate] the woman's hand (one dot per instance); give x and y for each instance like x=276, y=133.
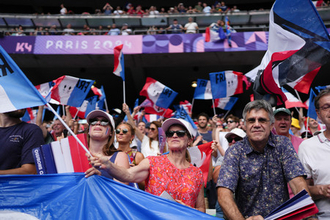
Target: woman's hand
x=92, y=171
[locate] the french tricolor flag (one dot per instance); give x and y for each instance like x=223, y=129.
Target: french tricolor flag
x=119, y=67
x=70, y=90
x=16, y=90
x=226, y=83
x=151, y=108
x=29, y=115
x=226, y=103
x=292, y=101
x=159, y=94
x=203, y=90
x=187, y=106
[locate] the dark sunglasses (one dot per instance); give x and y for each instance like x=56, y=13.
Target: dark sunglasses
x=124, y=131
x=179, y=133
x=103, y=122
x=230, y=139
x=153, y=129
x=230, y=121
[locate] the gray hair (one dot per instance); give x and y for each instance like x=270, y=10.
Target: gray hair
x=323, y=92
x=257, y=105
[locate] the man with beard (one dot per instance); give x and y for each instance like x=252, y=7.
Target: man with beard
x=17, y=139
x=202, y=120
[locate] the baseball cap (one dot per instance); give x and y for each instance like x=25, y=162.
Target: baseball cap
x=178, y=121
x=285, y=110
x=100, y=113
x=236, y=131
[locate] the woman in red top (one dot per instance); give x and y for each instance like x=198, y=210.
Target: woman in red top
x=171, y=173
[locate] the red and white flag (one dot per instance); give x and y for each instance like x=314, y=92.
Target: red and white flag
x=201, y=157
x=187, y=106
x=119, y=66
x=151, y=108
x=292, y=101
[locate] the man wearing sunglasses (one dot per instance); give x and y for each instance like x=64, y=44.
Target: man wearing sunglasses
x=258, y=168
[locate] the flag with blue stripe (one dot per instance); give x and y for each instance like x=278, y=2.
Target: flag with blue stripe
x=203, y=90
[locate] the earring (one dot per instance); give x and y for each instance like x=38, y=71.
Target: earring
x=130, y=141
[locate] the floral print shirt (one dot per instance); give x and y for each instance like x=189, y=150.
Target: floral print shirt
x=181, y=184
x=259, y=180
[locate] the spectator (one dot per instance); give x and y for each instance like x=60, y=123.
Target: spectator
x=175, y=28
x=295, y=127
x=53, y=30
x=181, y=8
x=107, y=9
x=139, y=10
x=58, y=130
x=150, y=144
x=202, y=120
x=131, y=10
x=125, y=134
x=17, y=140
x=63, y=10
x=125, y=30
x=190, y=10
x=314, y=154
x=172, y=11
x=191, y=27
x=153, y=10
x=162, y=11
x=68, y=30
x=114, y=30
x=206, y=9
x=224, y=8
x=165, y=169
x=258, y=168
x=199, y=8
x=152, y=30
x=118, y=11
x=101, y=136
x=313, y=125
x=234, y=9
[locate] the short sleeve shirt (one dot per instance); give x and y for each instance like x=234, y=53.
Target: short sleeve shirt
x=259, y=180
x=181, y=184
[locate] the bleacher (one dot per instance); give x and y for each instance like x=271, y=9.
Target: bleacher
x=240, y=21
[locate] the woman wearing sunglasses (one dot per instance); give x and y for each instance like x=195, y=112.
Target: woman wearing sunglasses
x=100, y=142
x=171, y=173
x=125, y=135
x=149, y=142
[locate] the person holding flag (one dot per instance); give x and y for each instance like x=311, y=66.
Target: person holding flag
x=171, y=173
x=17, y=140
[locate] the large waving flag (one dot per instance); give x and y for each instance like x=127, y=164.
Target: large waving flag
x=203, y=89
x=214, y=34
x=159, y=94
x=70, y=90
x=151, y=108
x=292, y=101
x=299, y=45
x=72, y=196
x=226, y=103
x=226, y=83
x=16, y=90
x=181, y=113
x=187, y=106
x=119, y=67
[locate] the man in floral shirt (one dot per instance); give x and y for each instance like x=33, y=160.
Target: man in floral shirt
x=258, y=168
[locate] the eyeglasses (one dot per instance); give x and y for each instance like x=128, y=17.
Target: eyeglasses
x=153, y=129
x=103, y=122
x=124, y=131
x=230, y=139
x=230, y=121
x=179, y=133
x=325, y=107
x=260, y=120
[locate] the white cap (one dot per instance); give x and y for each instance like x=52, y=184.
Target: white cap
x=178, y=121
x=100, y=113
x=236, y=131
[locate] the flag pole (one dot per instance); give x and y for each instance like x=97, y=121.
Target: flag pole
x=214, y=113
x=106, y=105
x=124, y=94
x=78, y=109
x=226, y=114
x=69, y=130
x=192, y=105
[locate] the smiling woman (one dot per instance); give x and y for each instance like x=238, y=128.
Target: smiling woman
x=170, y=173
x=100, y=141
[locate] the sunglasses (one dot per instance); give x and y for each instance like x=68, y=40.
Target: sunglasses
x=153, y=129
x=230, y=121
x=123, y=130
x=179, y=133
x=260, y=120
x=103, y=122
x=230, y=139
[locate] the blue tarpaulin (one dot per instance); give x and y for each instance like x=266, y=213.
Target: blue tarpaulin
x=72, y=196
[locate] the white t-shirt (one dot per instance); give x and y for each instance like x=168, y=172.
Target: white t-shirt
x=314, y=154
x=207, y=10
x=191, y=27
x=224, y=144
x=145, y=148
